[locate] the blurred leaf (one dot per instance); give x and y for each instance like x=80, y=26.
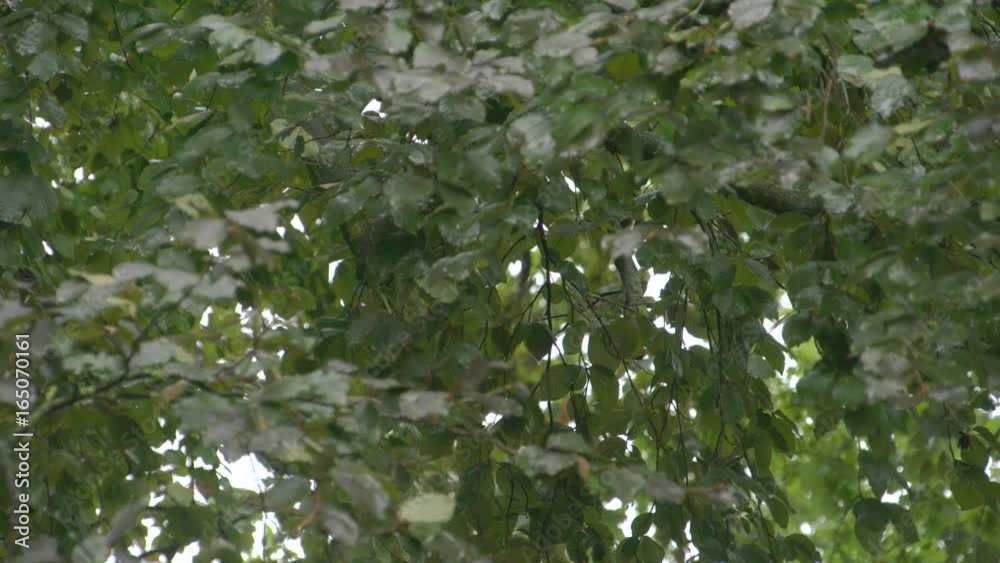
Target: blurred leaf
x=428, y=508
x=539, y=461
x=746, y=13
x=868, y=143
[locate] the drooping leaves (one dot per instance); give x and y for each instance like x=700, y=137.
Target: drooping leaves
x=454, y=279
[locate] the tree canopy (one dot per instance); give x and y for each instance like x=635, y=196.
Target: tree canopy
x=512, y=281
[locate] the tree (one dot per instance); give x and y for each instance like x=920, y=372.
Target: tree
x=409, y=256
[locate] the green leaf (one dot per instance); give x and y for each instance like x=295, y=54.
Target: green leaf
x=440, y=281
x=746, y=13
x=889, y=94
x=25, y=196
x=406, y=196
x=72, y=24
x=664, y=490
x=418, y=405
x=125, y=519
x=573, y=339
x=624, y=67
x=322, y=26
x=641, y=524
x=977, y=66
x=853, y=68
x=428, y=508
x=396, y=37
x=601, y=351
x=364, y=489
x=10, y=310
x=628, y=549
x=796, y=329
x=44, y=66
x=539, y=461
x=759, y=368
x=675, y=186
x=970, y=487
x=340, y=526
x=216, y=418
x=605, y=384
x=538, y=340
x=649, y=551
x=804, y=547
x=558, y=381
x=731, y=404
x=777, y=102
x=779, y=510
x=623, y=335
x=902, y=520
x=92, y=549
x=263, y=218
x=868, y=143
x=533, y=134
x=179, y=494
x=34, y=37
x=561, y=44
x=360, y=4
x=850, y=391
x=570, y=442
x=976, y=454
x=870, y=520
x=722, y=271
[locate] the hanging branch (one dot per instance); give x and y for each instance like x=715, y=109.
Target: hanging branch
x=543, y=245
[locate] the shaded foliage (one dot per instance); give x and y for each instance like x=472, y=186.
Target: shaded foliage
x=432, y=322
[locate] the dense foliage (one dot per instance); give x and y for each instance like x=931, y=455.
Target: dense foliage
x=431, y=322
